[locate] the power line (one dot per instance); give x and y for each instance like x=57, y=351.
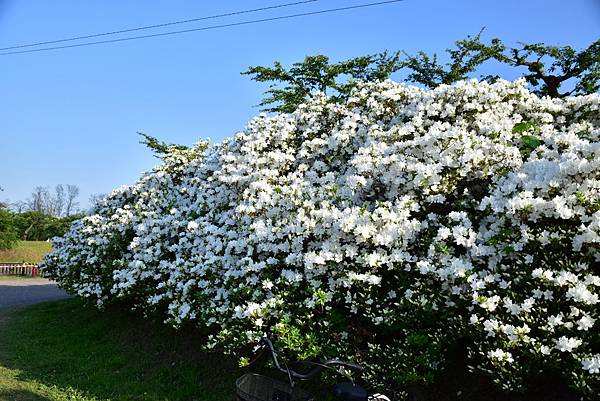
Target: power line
x=330, y=10
x=159, y=25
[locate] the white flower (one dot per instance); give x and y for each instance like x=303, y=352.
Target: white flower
x=580, y=293
x=501, y=355
x=491, y=327
x=567, y=344
x=490, y=303
x=252, y=309
x=585, y=323
x=555, y=320
x=365, y=230
x=513, y=309
x=592, y=365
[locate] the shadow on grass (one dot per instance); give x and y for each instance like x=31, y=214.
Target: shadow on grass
x=112, y=354
x=20, y=395
x=86, y=355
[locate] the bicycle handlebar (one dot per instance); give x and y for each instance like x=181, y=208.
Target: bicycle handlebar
x=311, y=373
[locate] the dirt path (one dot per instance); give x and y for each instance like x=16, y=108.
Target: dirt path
x=15, y=293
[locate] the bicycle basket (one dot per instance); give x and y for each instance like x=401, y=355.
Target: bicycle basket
x=254, y=387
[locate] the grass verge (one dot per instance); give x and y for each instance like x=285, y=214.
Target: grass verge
x=64, y=351
x=26, y=252
x=4, y=278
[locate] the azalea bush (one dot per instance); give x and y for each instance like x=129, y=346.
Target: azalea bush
x=381, y=230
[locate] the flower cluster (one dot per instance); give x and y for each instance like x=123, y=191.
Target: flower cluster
x=390, y=225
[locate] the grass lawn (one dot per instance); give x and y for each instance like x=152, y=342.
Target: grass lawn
x=2, y=278
x=26, y=251
x=64, y=351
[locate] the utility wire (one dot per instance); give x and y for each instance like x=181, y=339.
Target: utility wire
x=283, y=17
x=159, y=25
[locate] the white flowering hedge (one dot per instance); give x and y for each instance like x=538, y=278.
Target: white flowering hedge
x=381, y=230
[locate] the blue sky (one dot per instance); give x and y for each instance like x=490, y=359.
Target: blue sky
x=71, y=116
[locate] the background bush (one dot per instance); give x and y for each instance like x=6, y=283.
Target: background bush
x=8, y=233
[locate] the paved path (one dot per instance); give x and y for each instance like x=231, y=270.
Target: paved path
x=24, y=292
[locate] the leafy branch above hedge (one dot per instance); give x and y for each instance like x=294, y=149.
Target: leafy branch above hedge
x=548, y=68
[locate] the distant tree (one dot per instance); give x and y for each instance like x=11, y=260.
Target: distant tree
x=29, y=224
x=8, y=232
x=35, y=226
x=19, y=206
x=63, y=201
x=3, y=205
x=53, y=204
x=40, y=199
x=58, y=202
x=71, y=203
x=39, y=218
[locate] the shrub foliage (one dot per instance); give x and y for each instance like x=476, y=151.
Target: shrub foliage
x=382, y=229
x=8, y=234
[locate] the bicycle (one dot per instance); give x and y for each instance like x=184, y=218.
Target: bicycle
x=256, y=387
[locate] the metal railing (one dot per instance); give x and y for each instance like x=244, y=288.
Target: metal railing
x=19, y=269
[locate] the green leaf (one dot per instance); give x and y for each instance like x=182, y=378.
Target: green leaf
x=417, y=339
x=584, y=134
x=530, y=141
x=522, y=127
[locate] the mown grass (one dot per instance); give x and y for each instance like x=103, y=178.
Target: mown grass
x=3, y=278
x=63, y=350
x=26, y=252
